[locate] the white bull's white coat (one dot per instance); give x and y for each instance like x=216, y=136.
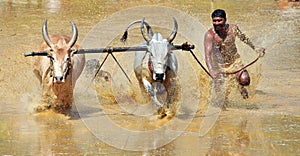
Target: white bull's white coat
x=159, y=59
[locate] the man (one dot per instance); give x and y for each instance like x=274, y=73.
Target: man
x=221, y=54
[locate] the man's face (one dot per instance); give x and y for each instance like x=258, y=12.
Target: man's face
x=218, y=23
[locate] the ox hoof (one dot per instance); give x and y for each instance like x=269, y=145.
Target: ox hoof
x=161, y=113
x=42, y=108
x=106, y=75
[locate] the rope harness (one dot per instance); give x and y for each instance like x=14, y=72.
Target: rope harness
x=110, y=52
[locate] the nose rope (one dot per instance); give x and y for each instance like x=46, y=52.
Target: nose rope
x=67, y=70
x=51, y=67
x=69, y=66
x=50, y=70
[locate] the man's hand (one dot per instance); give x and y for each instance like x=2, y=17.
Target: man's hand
x=215, y=74
x=260, y=51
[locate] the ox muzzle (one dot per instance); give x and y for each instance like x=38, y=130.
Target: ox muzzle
x=159, y=71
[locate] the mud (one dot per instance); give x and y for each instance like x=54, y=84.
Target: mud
x=265, y=124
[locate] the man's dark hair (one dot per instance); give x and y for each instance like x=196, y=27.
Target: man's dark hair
x=219, y=13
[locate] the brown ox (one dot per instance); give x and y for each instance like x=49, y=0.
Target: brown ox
x=59, y=70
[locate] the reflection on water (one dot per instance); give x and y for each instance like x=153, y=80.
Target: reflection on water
x=54, y=6
x=266, y=124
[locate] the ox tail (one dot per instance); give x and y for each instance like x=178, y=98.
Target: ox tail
x=125, y=35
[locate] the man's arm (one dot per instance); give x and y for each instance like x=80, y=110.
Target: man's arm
x=208, y=48
x=244, y=38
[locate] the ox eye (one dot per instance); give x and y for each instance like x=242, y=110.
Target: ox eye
x=50, y=52
x=50, y=56
x=67, y=60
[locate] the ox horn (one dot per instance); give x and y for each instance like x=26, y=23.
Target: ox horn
x=74, y=35
x=45, y=34
x=173, y=34
x=146, y=36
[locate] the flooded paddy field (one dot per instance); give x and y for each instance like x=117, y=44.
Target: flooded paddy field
x=109, y=123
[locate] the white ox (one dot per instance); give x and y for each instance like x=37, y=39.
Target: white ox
x=59, y=70
x=157, y=65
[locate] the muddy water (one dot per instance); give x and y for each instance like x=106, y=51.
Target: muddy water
x=268, y=123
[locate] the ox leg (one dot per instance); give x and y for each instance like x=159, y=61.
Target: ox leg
x=171, y=91
x=171, y=77
x=44, y=104
x=152, y=93
x=171, y=87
